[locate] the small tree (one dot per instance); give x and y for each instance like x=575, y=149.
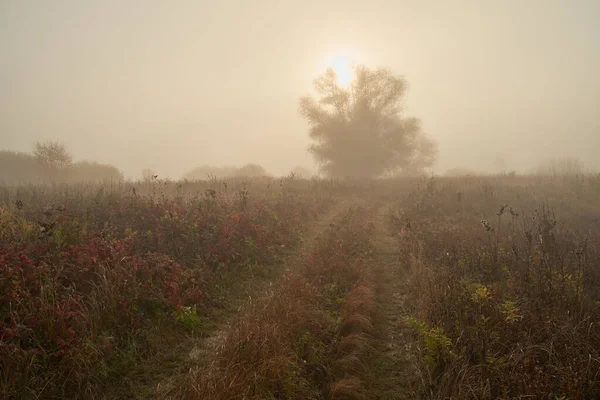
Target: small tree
x=359, y=131
x=52, y=158
x=52, y=155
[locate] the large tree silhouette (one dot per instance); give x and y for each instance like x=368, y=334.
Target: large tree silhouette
x=360, y=131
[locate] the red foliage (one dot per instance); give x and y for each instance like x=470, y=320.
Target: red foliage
x=126, y=254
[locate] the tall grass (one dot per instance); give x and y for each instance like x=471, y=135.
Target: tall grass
x=303, y=339
x=96, y=278
x=505, y=285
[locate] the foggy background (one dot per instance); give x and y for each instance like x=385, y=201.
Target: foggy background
x=172, y=86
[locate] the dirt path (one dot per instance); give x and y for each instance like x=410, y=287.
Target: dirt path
x=169, y=381
x=393, y=374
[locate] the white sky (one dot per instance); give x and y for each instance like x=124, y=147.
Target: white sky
x=173, y=85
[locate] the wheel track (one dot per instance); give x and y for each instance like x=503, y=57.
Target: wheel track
x=394, y=375
x=202, y=350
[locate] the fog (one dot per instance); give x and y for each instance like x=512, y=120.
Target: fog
x=173, y=86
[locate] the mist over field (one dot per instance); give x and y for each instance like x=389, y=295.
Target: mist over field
x=393, y=199
x=151, y=85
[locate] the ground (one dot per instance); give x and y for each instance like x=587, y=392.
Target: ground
x=402, y=289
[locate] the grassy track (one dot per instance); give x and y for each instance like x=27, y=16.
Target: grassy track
x=166, y=378
x=433, y=289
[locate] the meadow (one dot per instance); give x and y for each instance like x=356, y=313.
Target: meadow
x=434, y=288
x=503, y=277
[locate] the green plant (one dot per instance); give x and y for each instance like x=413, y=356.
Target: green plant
x=188, y=317
x=510, y=311
x=436, y=343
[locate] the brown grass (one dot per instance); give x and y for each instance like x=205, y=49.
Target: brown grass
x=283, y=347
x=504, y=285
x=348, y=388
x=353, y=343
x=257, y=357
x=350, y=366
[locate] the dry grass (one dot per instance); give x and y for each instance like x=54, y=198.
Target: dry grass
x=350, y=364
x=504, y=279
x=284, y=346
x=258, y=358
x=354, y=343
x=502, y=283
x=348, y=388
x=99, y=280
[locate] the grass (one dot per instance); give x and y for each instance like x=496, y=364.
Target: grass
x=484, y=287
x=504, y=285
x=96, y=279
x=287, y=345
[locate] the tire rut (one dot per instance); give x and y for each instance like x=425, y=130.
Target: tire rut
x=203, y=350
x=393, y=366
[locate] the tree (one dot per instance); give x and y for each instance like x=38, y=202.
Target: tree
x=359, y=131
x=52, y=158
x=17, y=168
x=250, y=171
x=52, y=155
x=86, y=171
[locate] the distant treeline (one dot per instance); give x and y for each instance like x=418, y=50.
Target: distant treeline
x=565, y=166
x=23, y=168
x=208, y=172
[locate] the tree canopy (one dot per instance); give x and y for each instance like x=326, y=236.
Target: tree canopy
x=51, y=162
x=52, y=155
x=360, y=131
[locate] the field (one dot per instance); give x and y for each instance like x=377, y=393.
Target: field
x=433, y=288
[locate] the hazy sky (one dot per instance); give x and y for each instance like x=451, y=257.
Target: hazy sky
x=173, y=85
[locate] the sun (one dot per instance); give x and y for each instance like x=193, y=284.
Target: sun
x=343, y=65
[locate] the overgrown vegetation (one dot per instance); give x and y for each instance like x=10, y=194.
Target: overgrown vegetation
x=504, y=281
x=305, y=339
x=500, y=278
x=50, y=162
x=93, y=278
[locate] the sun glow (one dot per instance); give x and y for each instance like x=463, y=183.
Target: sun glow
x=343, y=65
